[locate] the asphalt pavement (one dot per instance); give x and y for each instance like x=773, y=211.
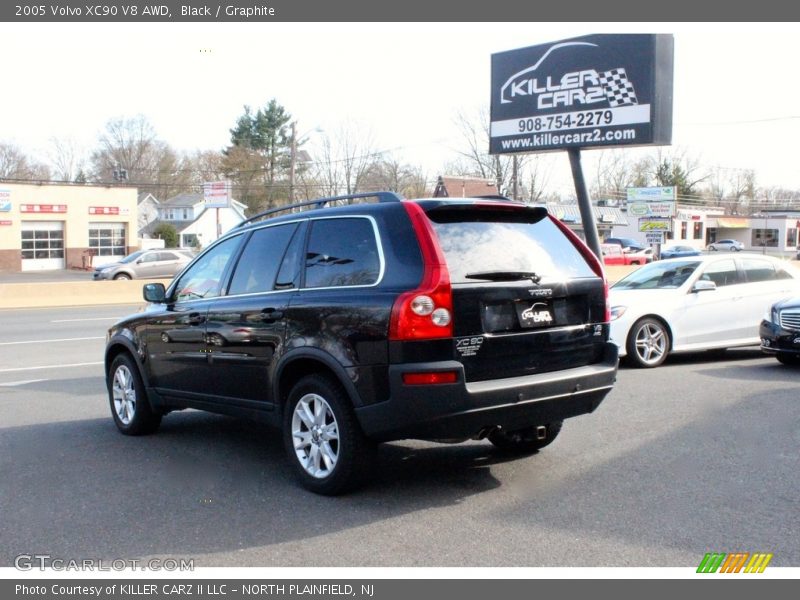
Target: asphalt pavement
x=699, y=455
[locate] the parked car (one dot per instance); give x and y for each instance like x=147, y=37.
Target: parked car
x=626, y=243
x=613, y=254
x=346, y=326
x=146, y=264
x=699, y=303
x=727, y=245
x=638, y=257
x=679, y=252
x=780, y=331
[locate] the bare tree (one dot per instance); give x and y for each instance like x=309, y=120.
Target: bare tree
x=475, y=160
x=346, y=159
x=15, y=164
x=66, y=157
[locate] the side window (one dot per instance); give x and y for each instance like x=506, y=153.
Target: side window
x=758, y=270
x=291, y=267
x=204, y=278
x=167, y=256
x=341, y=252
x=261, y=258
x=722, y=272
x=151, y=257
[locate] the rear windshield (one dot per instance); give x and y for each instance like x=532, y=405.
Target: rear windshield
x=477, y=241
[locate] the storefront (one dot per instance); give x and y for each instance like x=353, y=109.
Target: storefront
x=45, y=227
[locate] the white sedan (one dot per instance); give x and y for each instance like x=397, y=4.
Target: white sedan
x=696, y=303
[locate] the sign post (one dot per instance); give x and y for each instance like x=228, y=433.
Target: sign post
x=596, y=91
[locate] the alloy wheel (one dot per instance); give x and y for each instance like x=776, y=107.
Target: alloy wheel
x=315, y=435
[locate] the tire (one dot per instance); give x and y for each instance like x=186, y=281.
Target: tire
x=787, y=358
x=122, y=276
x=128, y=400
x=712, y=248
x=648, y=343
x=524, y=441
x=324, y=442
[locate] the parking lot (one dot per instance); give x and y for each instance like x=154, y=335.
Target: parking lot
x=699, y=455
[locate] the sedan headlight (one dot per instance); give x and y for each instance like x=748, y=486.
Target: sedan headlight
x=617, y=312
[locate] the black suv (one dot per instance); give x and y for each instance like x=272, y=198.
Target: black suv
x=357, y=321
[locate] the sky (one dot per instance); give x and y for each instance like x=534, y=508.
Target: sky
x=736, y=92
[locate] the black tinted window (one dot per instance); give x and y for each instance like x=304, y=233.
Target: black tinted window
x=758, y=270
x=204, y=278
x=473, y=243
x=722, y=272
x=342, y=252
x=260, y=260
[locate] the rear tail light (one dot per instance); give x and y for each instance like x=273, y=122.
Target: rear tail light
x=594, y=262
x=426, y=312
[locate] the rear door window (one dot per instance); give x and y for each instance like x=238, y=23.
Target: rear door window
x=489, y=240
x=342, y=252
x=260, y=260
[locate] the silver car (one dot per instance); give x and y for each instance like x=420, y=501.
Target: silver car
x=146, y=264
x=727, y=245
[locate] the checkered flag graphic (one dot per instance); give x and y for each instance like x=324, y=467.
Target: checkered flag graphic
x=618, y=89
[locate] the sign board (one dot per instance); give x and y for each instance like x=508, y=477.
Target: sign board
x=651, y=201
x=654, y=237
x=593, y=91
x=103, y=210
x=5, y=200
x=216, y=194
x=43, y=208
x=655, y=224
x=5, y=223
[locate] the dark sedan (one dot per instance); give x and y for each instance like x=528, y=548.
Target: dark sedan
x=679, y=252
x=780, y=331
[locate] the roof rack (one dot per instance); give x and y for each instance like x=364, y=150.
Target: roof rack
x=322, y=202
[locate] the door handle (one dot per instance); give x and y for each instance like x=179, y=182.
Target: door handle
x=196, y=319
x=270, y=315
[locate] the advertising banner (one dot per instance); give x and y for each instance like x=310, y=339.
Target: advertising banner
x=593, y=91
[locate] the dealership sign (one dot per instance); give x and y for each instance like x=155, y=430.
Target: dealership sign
x=43, y=208
x=593, y=91
x=216, y=194
x=651, y=202
x=5, y=200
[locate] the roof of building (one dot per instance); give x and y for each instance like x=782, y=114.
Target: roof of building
x=452, y=186
x=570, y=213
x=183, y=200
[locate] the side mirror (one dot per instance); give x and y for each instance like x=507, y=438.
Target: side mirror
x=703, y=286
x=154, y=292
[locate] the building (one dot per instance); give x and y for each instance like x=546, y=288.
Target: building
x=450, y=186
x=197, y=225
x=65, y=226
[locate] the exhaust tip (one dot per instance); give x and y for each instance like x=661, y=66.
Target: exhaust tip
x=541, y=433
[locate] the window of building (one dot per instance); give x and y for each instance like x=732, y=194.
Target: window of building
x=698, y=230
x=791, y=237
x=683, y=230
x=107, y=239
x=765, y=238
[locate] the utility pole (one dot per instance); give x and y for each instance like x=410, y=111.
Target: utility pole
x=292, y=161
x=514, y=172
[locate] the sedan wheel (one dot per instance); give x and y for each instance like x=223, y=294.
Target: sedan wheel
x=648, y=343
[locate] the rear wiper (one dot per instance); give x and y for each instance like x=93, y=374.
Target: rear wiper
x=505, y=276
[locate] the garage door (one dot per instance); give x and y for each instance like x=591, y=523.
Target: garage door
x=42, y=245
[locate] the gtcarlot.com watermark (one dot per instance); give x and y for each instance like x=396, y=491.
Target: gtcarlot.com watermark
x=42, y=562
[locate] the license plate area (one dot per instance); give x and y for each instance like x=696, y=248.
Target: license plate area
x=535, y=314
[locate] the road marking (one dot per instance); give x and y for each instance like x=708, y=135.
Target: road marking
x=87, y=319
x=88, y=364
x=24, y=382
x=52, y=341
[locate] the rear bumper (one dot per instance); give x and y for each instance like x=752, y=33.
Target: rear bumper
x=462, y=410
